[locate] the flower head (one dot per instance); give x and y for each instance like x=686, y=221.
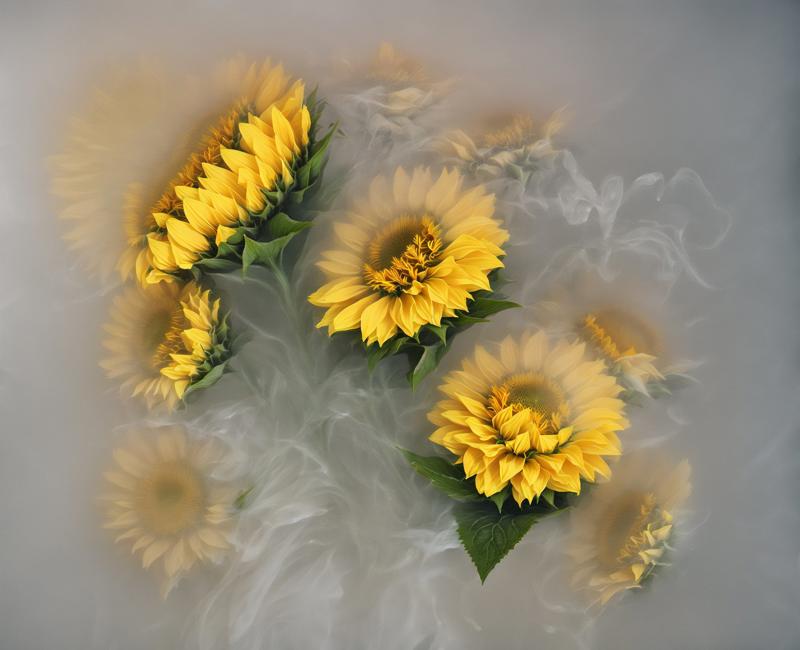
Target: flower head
x=253, y=152
x=164, y=339
x=164, y=501
x=532, y=415
x=621, y=533
x=410, y=255
x=507, y=145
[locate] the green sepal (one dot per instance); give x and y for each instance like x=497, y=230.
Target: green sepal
x=265, y=253
x=209, y=379
x=499, y=498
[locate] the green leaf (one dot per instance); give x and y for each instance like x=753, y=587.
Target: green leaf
x=488, y=535
x=265, y=253
x=440, y=331
x=209, y=379
x=444, y=476
x=241, y=500
x=217, y=264
x=425, y=365
x=485, y=307
x=282, y=224
x=376, y=353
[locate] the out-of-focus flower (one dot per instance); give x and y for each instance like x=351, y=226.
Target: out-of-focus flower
x=164, y=501
x=166, y=340
x=624, y=320
x=621, y=533
x=410, y=254
x=124, y=134
x=531, y=415
x=389, y=98
x=509, y=147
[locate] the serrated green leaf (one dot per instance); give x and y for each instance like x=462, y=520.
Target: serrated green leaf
x=443, y=476
x=209, y=379
x=488, y=535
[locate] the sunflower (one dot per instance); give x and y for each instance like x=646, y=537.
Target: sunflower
x=165, y=339
x=534, y=416
x=501, y=145
x=251, y=150
x=102, y=162
x=409, y=256
x=623, y=319
x=165, y=503
x=620, y=534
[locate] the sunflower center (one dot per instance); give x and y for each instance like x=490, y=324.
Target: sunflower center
x=541, y=397
x=402, y=254
x=170, y=499
x=622, y=533
x=619, y=334
x=163, y=335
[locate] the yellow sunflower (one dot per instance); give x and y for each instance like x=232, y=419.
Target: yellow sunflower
x=164, y=339
x=250, y=150
x=532, y=415
x=622, y=531
x=164, y=502
x=409, y=255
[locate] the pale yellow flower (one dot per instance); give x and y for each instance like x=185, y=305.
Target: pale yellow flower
x=164, y=502
x=621, y=533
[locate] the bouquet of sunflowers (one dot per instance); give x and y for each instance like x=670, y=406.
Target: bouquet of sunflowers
x=416, y=256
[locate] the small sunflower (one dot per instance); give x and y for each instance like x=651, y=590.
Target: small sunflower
x=511, y=145
x=623, y=321
x=256, y=155
x=411, y=254
x=165, y=503
x=621, y=533
x=164, y=339
x=532, y=415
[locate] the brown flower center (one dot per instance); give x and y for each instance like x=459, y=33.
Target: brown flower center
x=170, y=499
x=402, y=254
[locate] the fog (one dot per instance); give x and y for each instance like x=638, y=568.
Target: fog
x=343, y=547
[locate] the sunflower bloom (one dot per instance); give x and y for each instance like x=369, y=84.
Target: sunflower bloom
x=621, y=533
x=408, y=256
x=164, y=339
x=532, y=416
x=507, y=145
x=164, y=503
x=253, y=150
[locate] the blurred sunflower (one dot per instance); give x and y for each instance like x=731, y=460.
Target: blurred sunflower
x=165, y=503
x=95, y=175
x=409, y=255
x=621, y=532
x=623, y=320
x=508, y=145
x=532, y=415
x=252, y=150
x=164, y=340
